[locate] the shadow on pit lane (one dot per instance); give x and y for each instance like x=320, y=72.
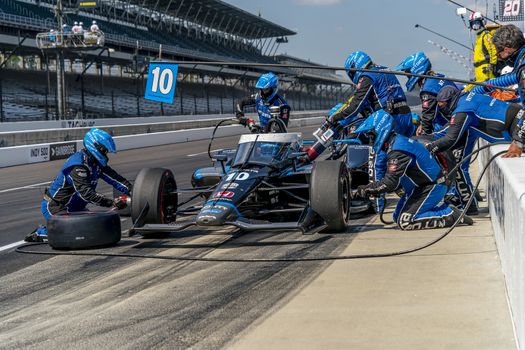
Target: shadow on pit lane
x=368, y=228
x=229, y=244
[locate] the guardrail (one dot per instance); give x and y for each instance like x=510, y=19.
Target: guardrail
x=53, y=150
x=506, y=195
x=85, y=40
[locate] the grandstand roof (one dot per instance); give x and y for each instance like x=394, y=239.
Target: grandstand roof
x=218, y=15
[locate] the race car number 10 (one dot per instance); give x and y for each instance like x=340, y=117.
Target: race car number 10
x=237, y=176
x=162, y=78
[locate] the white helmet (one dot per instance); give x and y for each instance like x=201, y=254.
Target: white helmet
x=76, y=23
x=80, y=23
x=476, y=21
x=94, y=22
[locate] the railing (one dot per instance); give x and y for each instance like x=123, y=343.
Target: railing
x=29, y=23
x=38, y=24
x=70, y=40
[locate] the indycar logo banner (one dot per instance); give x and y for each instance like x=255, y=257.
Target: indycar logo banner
x=511, y=11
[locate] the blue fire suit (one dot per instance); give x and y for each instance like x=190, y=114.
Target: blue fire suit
x=485, y=117
x=75, y=186
x=263, y=108
x=411, y=167
x=375, y=91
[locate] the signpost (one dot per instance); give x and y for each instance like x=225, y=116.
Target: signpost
x=162, y=78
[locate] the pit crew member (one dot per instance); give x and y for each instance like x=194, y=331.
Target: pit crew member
x=411, y=167
x=485, y=116
x=75, y=185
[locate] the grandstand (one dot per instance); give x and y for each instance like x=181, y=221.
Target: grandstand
x=137, y=31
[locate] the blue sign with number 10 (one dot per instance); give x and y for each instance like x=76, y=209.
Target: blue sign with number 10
x=162, y=78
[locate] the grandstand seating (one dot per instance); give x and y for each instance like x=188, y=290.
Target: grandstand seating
x=24, y=98
x=151, y=36
x=24, y=91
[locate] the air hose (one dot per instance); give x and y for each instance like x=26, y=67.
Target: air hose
x=21, y=249
x=213, y=134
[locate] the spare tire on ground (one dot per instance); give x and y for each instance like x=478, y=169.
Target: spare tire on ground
x=84, y=230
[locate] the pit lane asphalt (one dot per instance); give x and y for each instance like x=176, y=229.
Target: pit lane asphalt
x=100, y=302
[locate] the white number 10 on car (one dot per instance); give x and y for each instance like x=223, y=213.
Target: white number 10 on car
x=162, y=78
x=237, y=176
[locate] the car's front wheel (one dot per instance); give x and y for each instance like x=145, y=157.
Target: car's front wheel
x=330, y=189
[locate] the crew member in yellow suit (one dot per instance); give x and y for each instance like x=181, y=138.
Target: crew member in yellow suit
x=485, y=54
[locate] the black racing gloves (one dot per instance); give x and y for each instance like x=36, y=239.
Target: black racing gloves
x=362, y=191
x=432, y=148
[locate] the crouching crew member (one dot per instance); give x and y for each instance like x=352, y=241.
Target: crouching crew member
x=75, y=185
x=268, y=84
x=411, y=167
x=484, y=116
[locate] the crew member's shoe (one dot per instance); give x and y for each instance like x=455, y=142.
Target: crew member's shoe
x=479, y=197
x=473, y=209
x=38, y=235
x=456, y=213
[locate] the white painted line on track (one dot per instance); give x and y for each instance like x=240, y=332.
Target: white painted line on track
x=198, y=154
x=24, y=187
x=12, y=245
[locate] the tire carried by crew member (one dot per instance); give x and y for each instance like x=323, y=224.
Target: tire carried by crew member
x=84, y=230
x=330, y=185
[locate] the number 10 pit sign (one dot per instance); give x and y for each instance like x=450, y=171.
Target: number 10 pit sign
x=162, y=78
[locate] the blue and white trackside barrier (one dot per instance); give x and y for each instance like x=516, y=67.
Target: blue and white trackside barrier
x=506, y=194
x=18, y=155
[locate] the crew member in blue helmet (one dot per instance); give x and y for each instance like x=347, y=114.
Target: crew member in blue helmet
x=375, y=90
x=431, y=118
x=411, y=167
x=75, y=185
x=434, y=120
x=264, y=100
x=484, y=116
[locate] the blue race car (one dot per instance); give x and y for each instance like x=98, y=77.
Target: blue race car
x=265, y=184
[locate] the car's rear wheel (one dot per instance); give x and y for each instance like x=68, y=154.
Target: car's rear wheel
x=157, y=187
x=275, y=125
x=84, y=230
x=330, y=185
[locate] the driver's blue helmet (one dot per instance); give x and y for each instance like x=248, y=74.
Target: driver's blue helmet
x=417, y=63
x=359, y=60
x=98, y=143
x=268, y=81
x=380, y=124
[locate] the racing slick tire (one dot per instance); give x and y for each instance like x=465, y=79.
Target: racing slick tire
x=157, y=187
x=127, y=210
x=84, y=230
x=330, y=186
x=275, y=125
